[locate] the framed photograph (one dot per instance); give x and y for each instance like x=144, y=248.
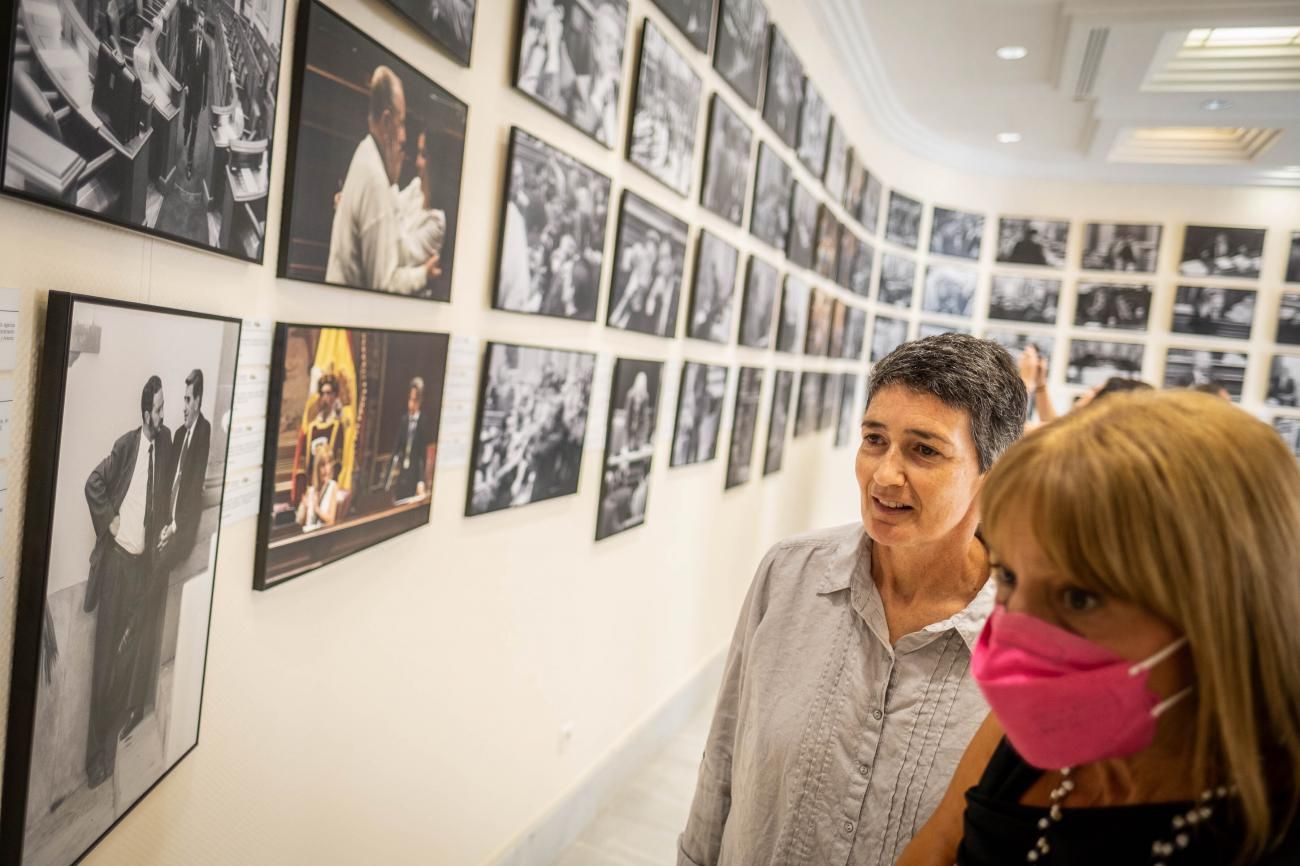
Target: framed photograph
x=629, y=445
x=950, y=290
x=1288, y=319
x=738, y=54
x=850, y=410
x=1033, y=242
x=1092, y=362
x=1121, y=247
x=783, y=97
x=1221, y=251
x=828, y=243
x=1289, y=429
x=779, y=422
x=837, y=162
x=141, y=117
x=814, y=129
x=803, y=227
x=571, y=61
x=888, y=335
x=726, y=164
x=830, y=403
x=855, y=332
x=552, y=232
x=1024, y=299
x=699, y=413
x=808, y=410
x=872, y=196
x=1186, y=368
x=897, y=281
x=1214, y=312
x=769, y=219
x=864, y=259
x=1110, y=305
x=934, y=329
x=794, y=315
x=759, y=304
x=839, y=321
x=370, y=202
x=1283, y=374
x=956, y=233
x=744, y=422
x=821, y=311
x=903, y=226
x=531, y=424
x=1016, y=341
x=693, y=17
x=1293, y=260
x=449, y=22
x=352, y=431
x=114, y=595
x=713, y=297
x=649, y=264
x=855, y=185
x=666, y=108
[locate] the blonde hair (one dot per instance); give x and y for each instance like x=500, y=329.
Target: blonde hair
x=1188, y=507
x=322, y=455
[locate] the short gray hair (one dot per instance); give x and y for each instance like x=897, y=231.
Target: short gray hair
x=977, y=376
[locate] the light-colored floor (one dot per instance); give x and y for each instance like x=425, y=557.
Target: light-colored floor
x=640, y=824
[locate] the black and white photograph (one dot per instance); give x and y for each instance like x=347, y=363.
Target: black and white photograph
x=1214, y=312
x=887, y=336
x=629, y=445
x=713, y=297
x=783, y=97
x=769, y=219
x=837, y=162
x=352, y=431
x=934, y=329
x=738, y=52
x=793, y=323
x=855, y=185
x=828, y=243
x=665, y=113
x=649, y=266
x=1187, y=368
x=1293, y=260
x=571, y=61
x=552, y=232
x=850, y=410
x=744, y=422
x=449, y=22
x=950, y=290
x=956, y=233
x=778, y=422
x=821, y=313
x=1015, y=342
x=839, y=321
x=903, y=225
x=699, y=413
x=814, y=129
x=1024, y=299
x=808, y=405
x=864, y=258
x=1283, y=374
x=726, y=163
x=156, y=117
x=1033, y=242
x=114, y=596
x=1289, y=429
x=1125, y=306
x=532, y=420
x=1288, y=319
x=830, y=401
x=897, y=281
x=693, y=17
x=803, y=227
x=1092, y=362
x=372, y=195
x=759, y=305
x=1121, y=247
x=872, y=197
x=855, y=332
x=1221, y=251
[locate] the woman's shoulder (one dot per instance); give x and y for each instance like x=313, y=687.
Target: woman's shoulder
x=819, y=561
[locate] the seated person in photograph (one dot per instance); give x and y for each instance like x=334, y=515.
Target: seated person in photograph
x=366, y=248
x=1142, y=671
x=327, y=418
x=319, y=505
x=407, y=471
x=846, y=699
x=1028, y=250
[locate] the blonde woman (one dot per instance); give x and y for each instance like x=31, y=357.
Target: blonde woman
x=1143, y=660
x=319, y=506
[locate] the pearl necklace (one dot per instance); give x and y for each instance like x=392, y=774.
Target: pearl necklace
x=1181, y=825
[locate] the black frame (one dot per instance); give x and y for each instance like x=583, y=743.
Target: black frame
x=613, y=271
x=646, y=25
x=609, y=423
x=33, y=568
x=443, y=46
x=716, y=99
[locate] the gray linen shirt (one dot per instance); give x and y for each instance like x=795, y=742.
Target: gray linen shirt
x=828, y=746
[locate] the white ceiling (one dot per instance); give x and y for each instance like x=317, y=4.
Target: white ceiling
x=927, y=72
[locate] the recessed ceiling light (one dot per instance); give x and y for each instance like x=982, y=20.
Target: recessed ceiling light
x=1012, y=52
x=1215, y=104
x=1008, y=137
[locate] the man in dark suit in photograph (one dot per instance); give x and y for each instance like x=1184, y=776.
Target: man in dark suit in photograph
x=196, y=60
x=406, y=473
x=128, y=496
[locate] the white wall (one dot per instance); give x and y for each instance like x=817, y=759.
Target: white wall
x=404, y=705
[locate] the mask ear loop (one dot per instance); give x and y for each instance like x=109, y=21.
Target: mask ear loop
x=1160, y=708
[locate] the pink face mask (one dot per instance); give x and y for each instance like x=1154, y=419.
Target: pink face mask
x=1063, y=700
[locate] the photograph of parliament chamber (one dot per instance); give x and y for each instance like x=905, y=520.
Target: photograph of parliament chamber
x=156, y=116
x=351, y=439
x=118, y=561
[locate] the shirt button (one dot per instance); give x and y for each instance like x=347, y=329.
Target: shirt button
x=848, y=828
x=863, y=769
x=875, y=714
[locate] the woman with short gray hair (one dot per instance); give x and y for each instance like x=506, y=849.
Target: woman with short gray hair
x=846, y=700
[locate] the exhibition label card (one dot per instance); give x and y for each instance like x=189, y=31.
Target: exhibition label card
x=248, y=422
x=243, y=495
x=9, y=313
x=6, y=414
x=457, y=424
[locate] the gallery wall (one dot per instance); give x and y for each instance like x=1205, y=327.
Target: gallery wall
x=428, y=700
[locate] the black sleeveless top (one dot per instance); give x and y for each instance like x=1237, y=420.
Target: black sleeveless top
x=1000, y=831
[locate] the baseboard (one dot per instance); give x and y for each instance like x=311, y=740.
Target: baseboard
x=544, y=842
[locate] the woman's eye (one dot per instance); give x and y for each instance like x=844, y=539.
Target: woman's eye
x=873, y=439
x=926, y=451
x=1080, y=600
x=1003, y=577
